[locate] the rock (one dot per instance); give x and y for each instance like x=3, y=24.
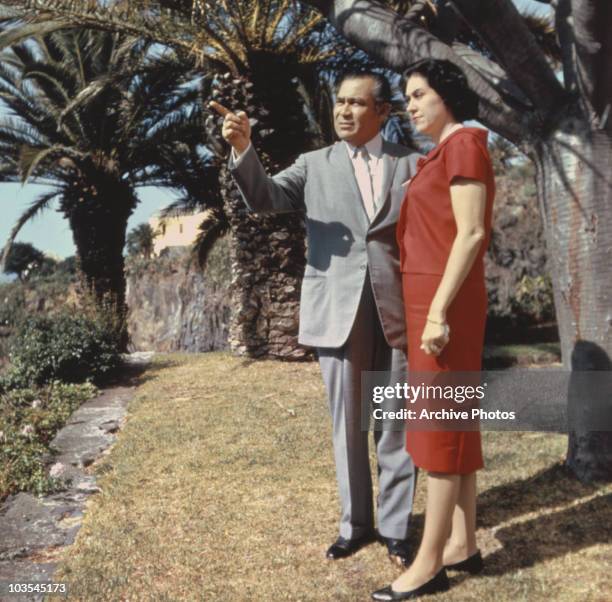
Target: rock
x=34, y=529
x=175, y=306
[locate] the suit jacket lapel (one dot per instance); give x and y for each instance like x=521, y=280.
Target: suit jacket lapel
x=389, y=167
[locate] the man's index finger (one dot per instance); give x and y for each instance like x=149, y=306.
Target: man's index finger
x=219, y=108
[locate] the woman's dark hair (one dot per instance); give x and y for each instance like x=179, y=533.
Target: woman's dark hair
x=451, y=85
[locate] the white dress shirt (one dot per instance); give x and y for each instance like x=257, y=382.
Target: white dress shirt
x=374, y=148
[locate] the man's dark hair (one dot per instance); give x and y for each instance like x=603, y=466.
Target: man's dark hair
x=382, y=88
x=450, y=83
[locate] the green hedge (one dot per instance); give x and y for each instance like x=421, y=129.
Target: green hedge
x=66, y=347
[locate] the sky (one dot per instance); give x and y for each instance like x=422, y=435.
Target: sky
x=49, y=231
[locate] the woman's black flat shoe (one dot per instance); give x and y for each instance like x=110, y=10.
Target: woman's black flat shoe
x=474, y=564
x=436, y=584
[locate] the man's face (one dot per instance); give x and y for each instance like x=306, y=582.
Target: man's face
x=357, y=115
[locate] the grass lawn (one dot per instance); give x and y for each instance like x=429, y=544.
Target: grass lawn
x=221, y=486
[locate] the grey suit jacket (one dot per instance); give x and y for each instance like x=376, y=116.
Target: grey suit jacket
x=342, y=243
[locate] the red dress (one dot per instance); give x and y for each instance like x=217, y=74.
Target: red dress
x=426, y=230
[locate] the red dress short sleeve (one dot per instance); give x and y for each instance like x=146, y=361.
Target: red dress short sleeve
x=427, y=227
x=465, y=158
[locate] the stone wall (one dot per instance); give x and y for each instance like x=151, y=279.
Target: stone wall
x=176, y=306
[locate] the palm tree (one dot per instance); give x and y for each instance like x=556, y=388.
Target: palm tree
x=140, y=241
x=265, y=55
x=88, y=116
x=264, y=62
x=22, y=259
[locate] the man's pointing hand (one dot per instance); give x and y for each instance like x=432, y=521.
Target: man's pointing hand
x=236, y=127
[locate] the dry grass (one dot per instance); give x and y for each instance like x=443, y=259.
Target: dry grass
x=221, y=487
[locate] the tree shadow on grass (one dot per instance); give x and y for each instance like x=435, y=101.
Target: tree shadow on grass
x=550, y=535
x=544, y=537
x=538, y=539
x=134, y=375
x=553, y=535
x=553, y=486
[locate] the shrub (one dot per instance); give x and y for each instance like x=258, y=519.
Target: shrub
x=66, y=347
x=534, y=298
x=29, y=419
x=12, y=302
x=67, y=266
x=516, y=262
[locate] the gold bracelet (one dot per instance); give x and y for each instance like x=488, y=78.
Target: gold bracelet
x=438, y=323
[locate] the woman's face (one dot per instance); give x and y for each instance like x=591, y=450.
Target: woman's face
x=426, y=108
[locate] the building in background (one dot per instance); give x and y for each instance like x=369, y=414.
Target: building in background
x=178, y=231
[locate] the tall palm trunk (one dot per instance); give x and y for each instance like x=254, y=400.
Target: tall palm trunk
x=268, y=251
x=267, y=266
x=98, y=214
x=575, y=192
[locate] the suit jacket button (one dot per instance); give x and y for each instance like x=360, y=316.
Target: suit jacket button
x=363, y=267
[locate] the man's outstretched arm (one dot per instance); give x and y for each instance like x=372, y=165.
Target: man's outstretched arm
x=261, y=193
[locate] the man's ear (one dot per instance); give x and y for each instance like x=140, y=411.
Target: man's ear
x=384, y=109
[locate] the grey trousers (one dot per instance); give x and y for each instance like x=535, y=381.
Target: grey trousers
x=366, y=349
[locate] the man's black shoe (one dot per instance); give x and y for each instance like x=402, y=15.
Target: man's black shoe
x=397, y=548
x=343, y=548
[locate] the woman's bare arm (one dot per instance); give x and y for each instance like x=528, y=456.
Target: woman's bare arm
x=468, y=200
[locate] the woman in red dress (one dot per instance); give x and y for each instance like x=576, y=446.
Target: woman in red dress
x=443, y=233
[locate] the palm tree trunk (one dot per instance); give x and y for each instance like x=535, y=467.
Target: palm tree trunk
x=575, y=193
x=268, y=258
x=99, y=223
x=268, y=251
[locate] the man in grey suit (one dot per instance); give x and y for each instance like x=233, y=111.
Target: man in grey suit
x=351, y=301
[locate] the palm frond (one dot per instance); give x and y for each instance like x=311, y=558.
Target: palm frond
x=84, y=96
x=14, y=35
x=212, y=228
x=543, y=30
x=30, y=157
x=141, y=19
x=35, y=207
x=17, y=131
x=51, y=82
x=182, y=206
